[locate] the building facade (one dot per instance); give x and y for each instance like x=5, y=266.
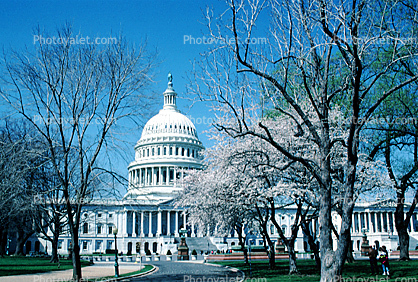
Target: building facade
x=169, y=146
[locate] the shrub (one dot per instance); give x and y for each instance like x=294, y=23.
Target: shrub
x=194, y=253
x=147, y=252
x=169, y=253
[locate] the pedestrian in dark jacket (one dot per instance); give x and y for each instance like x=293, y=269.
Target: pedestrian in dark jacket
x=373, y=260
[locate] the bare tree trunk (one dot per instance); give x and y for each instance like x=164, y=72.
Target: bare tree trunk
x=402, y=229
x=289, y=243
x=76, y=257
x=241, y=242
x=293, y=269
x=22, y=237
x=403, y=244
x=350, y=257
x=272, y=256
x=313, y=246
x=54, y=243
x=329, y=268
x=3, y=241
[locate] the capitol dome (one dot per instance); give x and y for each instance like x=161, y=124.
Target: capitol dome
x=169, y=146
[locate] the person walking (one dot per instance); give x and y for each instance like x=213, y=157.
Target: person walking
x=384, y=259
x=373, y=260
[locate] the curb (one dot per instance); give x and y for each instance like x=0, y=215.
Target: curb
x=228, y=267
x=155, y=268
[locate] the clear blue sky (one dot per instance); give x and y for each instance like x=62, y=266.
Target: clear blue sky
x=164, y=24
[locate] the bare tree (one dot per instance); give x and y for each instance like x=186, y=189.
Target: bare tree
x=396, y=142
x=312, y=56
x=74, y=95
x=49, y=209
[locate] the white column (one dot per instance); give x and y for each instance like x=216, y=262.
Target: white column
x=142, y=224
x=194, y=234
x=175, y=176
x=168, y=223
x=159, y=223
x=125, y=224
x=160, y=176
x=140, y=177
x=176, y=230
x=133, y=177
x=133, y=224
x=119, y=221
x=369, y=221
x=375, y=222
x=153, y=176
x=150, y=224
x=388, y=222
x=411, y=221
x=145, y=176
x=381, y=221
x=394, y=227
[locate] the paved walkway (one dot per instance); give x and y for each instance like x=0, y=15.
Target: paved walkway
x=95, y=271
x=166, y=271
x=189, y=271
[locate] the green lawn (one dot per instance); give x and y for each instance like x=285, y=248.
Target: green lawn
x=27, y=265
x=308, y=272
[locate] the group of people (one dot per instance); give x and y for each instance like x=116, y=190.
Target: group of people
x=383, y=259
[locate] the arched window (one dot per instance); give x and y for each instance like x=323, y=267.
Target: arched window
x=152, y=152
x=165, y=151
x=182, y=152
x=171, y=151
x=159, y=150
x=177, y=151
x=85, y=228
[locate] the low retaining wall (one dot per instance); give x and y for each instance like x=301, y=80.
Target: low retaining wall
x=257, y=256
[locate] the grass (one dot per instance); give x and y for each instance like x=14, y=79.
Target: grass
x=27, y=265
x=357, y=271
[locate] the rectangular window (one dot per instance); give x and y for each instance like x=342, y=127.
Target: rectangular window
x=99, y=229
x=99, y=215
x=84, y=245
x=109, y=229
x=85, y=228
x=60, y=244
x=110, y=215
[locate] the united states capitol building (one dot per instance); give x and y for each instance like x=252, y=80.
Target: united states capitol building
x=168, y=147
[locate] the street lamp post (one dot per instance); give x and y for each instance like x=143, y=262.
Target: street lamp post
x=115, y=232
x=250, y=238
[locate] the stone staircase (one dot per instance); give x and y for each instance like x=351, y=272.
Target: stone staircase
x=199, y=244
